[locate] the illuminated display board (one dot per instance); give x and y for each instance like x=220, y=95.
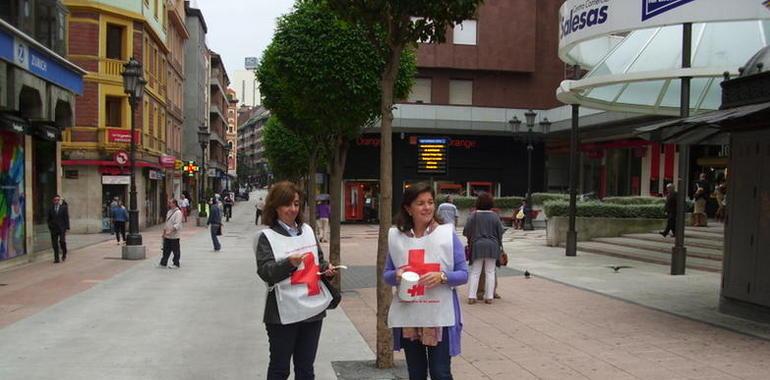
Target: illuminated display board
x=432, y=155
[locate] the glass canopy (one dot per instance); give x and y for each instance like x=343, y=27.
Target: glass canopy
x=641, y=73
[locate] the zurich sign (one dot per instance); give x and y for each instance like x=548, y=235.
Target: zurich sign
x=652, y=8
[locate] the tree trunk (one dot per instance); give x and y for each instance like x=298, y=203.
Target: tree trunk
x=335, y=192
x=311, y=188
x=384, y=292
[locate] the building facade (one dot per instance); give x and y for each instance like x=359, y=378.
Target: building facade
x=216, y=165
x=196, y=95
x=252, y=166
x=231, y=135
x=491, y=68
x=38, y=87
x=176, y=37
x=246, y=86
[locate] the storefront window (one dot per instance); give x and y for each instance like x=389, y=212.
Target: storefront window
x=12, y=202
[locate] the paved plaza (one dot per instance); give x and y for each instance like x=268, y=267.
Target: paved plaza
x=99, y=317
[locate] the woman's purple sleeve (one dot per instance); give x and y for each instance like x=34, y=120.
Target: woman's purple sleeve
x=459, y=275
x=389, y=275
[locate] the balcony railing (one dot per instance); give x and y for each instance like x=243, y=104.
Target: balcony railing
x=112, y=67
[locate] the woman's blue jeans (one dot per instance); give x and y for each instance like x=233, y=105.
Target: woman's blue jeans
x=420, y=359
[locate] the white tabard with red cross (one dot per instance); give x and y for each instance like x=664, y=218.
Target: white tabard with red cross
x=302, y=295
x=431, y=253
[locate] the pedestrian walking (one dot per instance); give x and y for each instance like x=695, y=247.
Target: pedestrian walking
x=447, y=211
x=58, y=224
x=485, y=236
x=428, y=323
x=670, y=207
x=228, y=203
x=259, y=206
x=518, y=218
x=721, y=195
x=290, y=261
x=171, y=235
x=215, y=222
x=184, y=205
x=323, y=212
x=119, y=219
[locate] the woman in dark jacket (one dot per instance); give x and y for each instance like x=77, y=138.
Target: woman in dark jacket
x=289, y=260
x=485, y=235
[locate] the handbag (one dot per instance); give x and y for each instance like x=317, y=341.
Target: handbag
x=469, y=247
x=503, y=260
x=333, y=291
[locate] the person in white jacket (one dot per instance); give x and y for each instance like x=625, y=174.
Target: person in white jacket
x=171, y=235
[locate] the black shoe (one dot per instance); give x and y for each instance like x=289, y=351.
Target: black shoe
x=56, y=261
x=663, y=234
x=64, y=258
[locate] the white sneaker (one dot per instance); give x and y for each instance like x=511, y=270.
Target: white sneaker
x=173, y=267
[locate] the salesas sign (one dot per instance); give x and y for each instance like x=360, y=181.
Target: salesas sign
x=600, y=22
x=652, y=8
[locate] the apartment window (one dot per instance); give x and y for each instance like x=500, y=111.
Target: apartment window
x=461, y=92
x=155, y=2
x=113, y=111
x=421, y=91
x=114, y=42
x=465, y=33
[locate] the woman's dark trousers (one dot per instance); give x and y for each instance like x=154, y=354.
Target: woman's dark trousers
x=420, y=359
x=298, y=341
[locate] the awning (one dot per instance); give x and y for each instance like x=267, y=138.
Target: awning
x=703, y=129
x=45, y=130
x=11, y=123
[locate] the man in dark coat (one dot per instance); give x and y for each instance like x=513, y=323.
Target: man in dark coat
x=670, y=211
x=58, y=224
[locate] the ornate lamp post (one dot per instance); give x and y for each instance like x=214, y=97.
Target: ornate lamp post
x=530, y=137
x=203, y=138
x=133, y=85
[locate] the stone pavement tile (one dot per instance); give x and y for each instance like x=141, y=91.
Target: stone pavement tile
x=594, y=368
x=500, y=369
x=548, y=368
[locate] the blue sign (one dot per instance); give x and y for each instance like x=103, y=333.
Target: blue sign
x=39, y=63
x=652, y=8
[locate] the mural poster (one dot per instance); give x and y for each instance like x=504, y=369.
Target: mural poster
x=11, y=195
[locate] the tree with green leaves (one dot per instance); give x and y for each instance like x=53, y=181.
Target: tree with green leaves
x=321, y=76
x=286, y=150
x=393, y=27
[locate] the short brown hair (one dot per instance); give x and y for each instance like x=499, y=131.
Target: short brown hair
x=485, y=201
x=281, y=194
x=404, y=221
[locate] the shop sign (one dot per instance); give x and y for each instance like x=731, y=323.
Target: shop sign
x=123, y=136
x=16, y=51
x=190, y=168
x=368, y=141
x=584, y=20
x=212, y=173
x=155, y=175
x=432, y=155
x=178, y=164
x=116, y=180
x=167, y=161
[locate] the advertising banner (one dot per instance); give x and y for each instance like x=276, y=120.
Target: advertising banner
x=123, y=136
x=584, y=20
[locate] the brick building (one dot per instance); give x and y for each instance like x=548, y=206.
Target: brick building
x=104, y=34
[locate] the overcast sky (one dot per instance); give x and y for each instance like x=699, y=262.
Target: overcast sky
x=241, y=28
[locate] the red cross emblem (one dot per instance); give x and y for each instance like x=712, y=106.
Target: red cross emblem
x=308, y=275
x=418, y=265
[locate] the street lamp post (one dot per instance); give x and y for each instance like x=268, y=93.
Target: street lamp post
x=530, y=138
x=228, y=148
x=203, y=138
x=133, y=85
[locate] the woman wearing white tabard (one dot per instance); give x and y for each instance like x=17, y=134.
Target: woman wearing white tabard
x=289, y=260
x=425, y=317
